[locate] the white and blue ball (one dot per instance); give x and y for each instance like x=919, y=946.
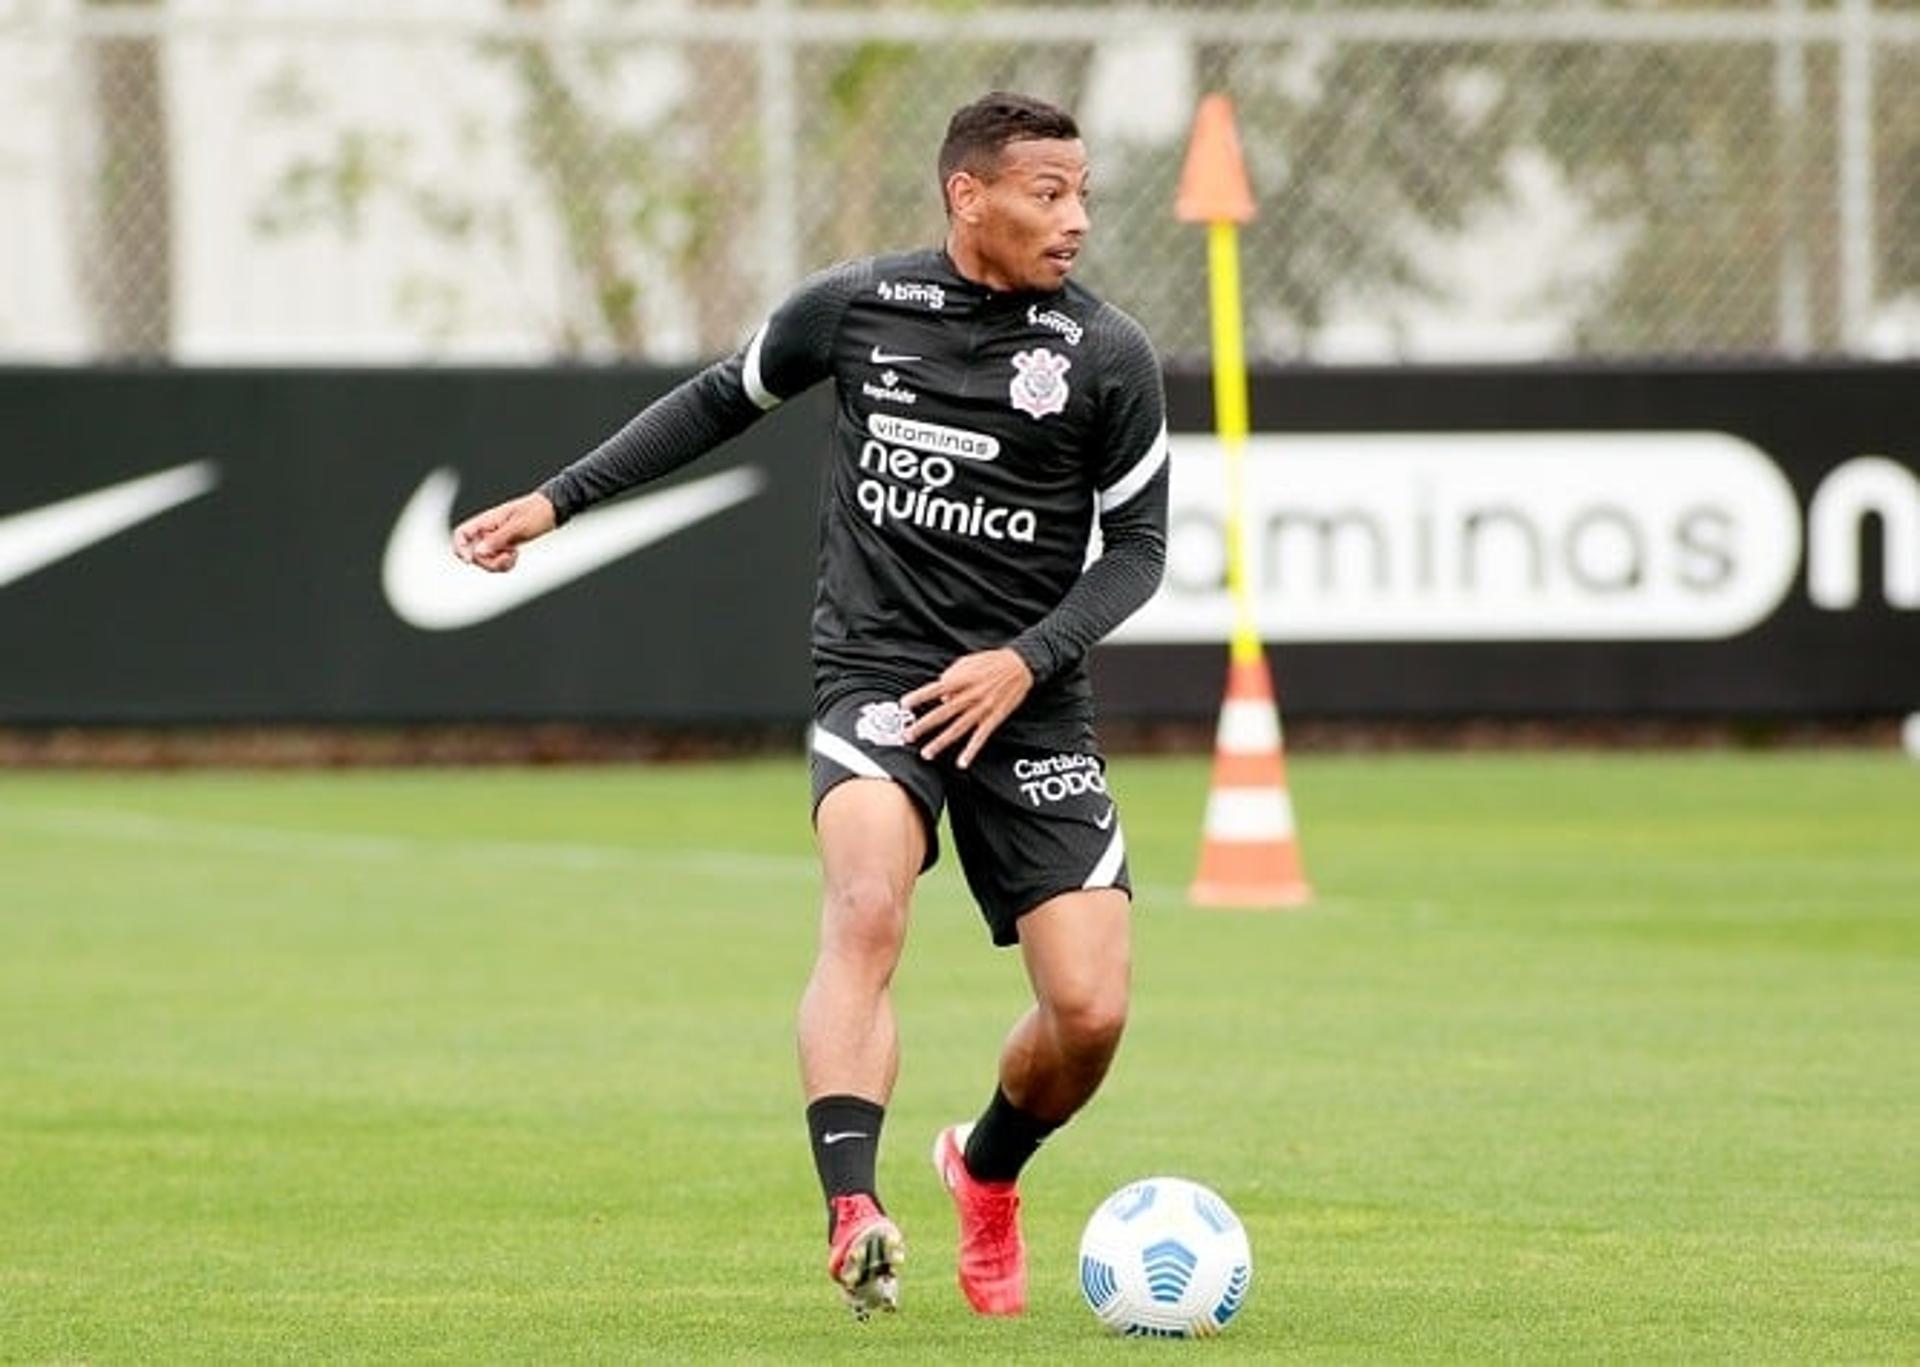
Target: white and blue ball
x=1165, y=1258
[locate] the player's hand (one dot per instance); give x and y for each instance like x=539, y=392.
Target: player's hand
x=492, y=539
x=969, y=700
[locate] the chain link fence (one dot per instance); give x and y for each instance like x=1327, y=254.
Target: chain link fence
x=532, y=180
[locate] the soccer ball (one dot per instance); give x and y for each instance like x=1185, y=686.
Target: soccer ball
x=1165, y=1258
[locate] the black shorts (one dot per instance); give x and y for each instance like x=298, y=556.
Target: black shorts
x=1028, y=822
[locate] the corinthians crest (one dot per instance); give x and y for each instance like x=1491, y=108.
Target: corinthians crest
x=883, y=723
x=1039, y=381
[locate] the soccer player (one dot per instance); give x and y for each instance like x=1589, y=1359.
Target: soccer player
x=991, y=415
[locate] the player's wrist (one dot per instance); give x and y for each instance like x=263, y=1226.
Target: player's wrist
x=1035, y=655
x=559, y=499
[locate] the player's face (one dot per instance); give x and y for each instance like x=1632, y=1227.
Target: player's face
x=1024, y=226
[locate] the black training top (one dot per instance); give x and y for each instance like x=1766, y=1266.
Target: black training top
x=978, y=439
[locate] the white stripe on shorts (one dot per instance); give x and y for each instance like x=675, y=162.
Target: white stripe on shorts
x=1108, y=868
x=845, y=754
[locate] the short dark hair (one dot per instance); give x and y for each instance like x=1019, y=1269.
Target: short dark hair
x=978, y=132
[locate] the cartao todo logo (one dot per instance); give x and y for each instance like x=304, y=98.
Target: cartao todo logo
x=1659, y=535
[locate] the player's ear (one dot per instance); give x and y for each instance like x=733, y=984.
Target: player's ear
x=964, y=194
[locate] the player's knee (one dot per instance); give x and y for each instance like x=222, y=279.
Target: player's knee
x=1089, y=1022
x=865, y=917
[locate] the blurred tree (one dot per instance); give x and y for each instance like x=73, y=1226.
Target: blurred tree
x=627, y=200
x=1681, y=145
x=1360, y=154
x=1713, y=197
x=126, y=199
x=585, y=164
x=1367, y=153
x=1896, y=123
x=719, y=245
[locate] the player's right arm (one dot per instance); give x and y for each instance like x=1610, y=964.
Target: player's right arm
x=790, y=352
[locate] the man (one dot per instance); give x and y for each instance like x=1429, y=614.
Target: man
x=990, y=415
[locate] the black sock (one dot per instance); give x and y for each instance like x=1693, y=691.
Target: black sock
x=845, y=1133
x=1004, y=1138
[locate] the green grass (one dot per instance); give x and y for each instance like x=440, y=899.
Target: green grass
x=1595, y=1057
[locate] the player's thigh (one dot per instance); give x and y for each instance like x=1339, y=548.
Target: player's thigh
x=872, y=842
x=870, y=830
x=1078, y=950
x=861, y=735
x=876, y=803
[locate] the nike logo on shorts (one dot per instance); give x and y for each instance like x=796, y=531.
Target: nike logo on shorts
x=880, y=357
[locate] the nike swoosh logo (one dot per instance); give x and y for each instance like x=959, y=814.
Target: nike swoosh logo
x=890, y=357
x=1105, y=821
x=835, y=1136
x=428, y=588
x=40, y=537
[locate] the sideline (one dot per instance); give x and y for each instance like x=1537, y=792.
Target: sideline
x=143, y=828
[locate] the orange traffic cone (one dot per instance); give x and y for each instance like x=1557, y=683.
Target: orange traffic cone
x=1213, y=182
x=1249, y=855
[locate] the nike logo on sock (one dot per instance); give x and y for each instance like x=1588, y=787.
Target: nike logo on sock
x=835, y=1136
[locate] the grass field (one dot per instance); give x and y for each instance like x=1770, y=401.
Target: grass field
x=1577, y=1056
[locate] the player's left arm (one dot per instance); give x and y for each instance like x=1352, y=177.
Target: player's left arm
x=979, y=691
x=1130, y=484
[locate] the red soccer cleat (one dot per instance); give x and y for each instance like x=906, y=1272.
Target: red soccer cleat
x=993, y=1257
x=865, y=1255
